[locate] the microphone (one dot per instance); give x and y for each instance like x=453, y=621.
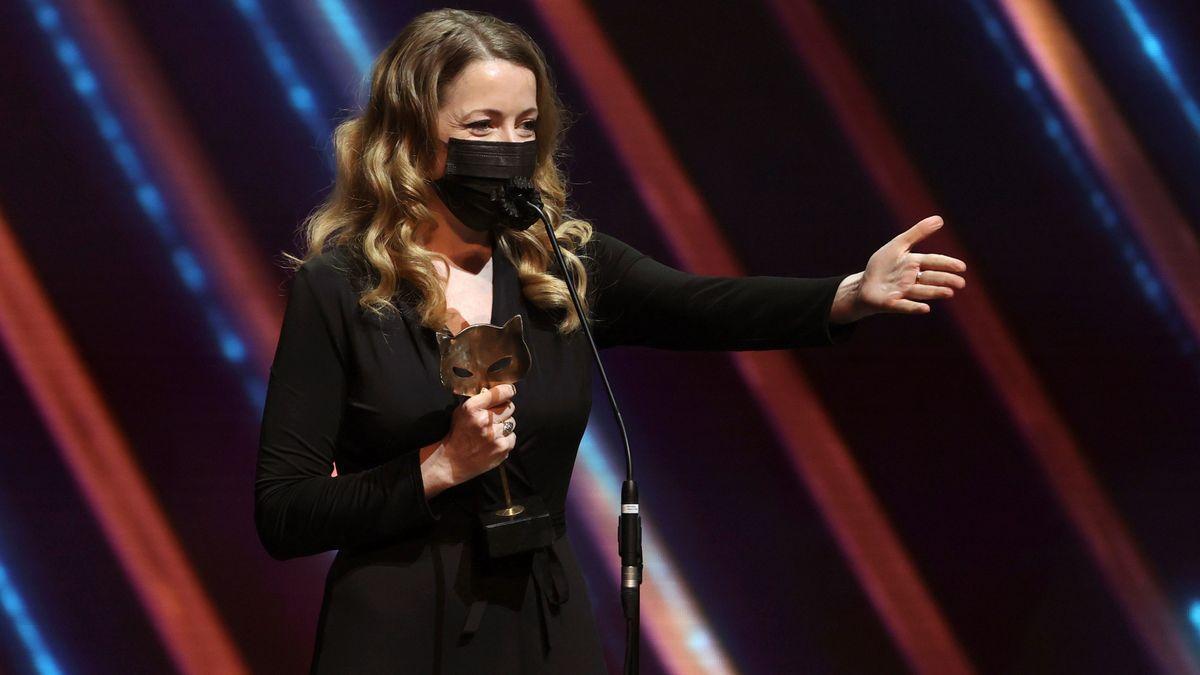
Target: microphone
x=517, y=204
x=522, y=205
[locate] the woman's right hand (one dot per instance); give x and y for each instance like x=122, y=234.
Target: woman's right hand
x=476, y=442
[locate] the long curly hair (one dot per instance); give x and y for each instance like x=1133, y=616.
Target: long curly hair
x=385, y=154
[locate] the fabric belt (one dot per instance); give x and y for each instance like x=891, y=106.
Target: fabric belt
x=550, y=588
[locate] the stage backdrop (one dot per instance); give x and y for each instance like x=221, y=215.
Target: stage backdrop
x=1005, y=485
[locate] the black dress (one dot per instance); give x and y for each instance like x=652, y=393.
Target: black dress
x=409, y=589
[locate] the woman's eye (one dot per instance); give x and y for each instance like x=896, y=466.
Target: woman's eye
x=483, y=125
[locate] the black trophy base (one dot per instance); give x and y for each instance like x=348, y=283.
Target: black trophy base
x=523, y=527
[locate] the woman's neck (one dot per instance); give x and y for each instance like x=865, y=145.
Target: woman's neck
x=464, y=247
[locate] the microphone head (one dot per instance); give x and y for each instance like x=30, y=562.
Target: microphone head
x=515, y=200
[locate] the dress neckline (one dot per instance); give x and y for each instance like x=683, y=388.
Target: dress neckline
x=485, y=270
x=504, y=284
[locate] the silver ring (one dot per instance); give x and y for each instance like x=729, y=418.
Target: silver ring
x=919, y=273
x=508, y=426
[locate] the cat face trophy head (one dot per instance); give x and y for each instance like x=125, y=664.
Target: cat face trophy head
x=483, y=355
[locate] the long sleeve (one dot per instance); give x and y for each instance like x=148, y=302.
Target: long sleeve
x=299, y=508
x=640, y=301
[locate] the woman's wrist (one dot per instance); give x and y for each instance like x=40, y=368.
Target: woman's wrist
x=847, y=307
x=435, y=473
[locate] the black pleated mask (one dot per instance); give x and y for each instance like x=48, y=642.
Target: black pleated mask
x=487, y=183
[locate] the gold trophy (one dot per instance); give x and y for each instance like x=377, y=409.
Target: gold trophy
x=483, y=355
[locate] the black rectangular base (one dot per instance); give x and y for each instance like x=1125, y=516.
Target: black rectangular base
x=505, y=535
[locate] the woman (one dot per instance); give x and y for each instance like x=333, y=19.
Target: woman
x=355, y=381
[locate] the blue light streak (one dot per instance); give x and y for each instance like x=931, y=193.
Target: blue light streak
x=346, y=27
x=299, y=94
x=1194, y=616
x=1111, y=220
x=146, y=192
x=1153, y=48
x=31, y=638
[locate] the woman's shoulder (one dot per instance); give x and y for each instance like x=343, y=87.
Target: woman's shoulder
x=339, y=277
x=337, y=269
x=600, y=242
x=608, y=253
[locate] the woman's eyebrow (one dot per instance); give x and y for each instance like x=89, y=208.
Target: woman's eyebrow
x=493, y=111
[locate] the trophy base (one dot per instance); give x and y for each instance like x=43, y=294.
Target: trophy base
x=524, y=526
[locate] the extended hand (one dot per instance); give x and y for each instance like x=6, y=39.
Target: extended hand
x=889, y=284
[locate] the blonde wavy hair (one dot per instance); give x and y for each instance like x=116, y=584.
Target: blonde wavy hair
x=385, y=154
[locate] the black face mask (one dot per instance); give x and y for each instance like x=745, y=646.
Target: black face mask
x=487, y=183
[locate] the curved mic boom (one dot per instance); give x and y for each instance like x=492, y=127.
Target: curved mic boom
x=524, y=200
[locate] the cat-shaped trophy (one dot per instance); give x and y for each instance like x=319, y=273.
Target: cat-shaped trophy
x=484, y=355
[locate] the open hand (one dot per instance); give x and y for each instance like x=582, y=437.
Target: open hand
x=897, y=279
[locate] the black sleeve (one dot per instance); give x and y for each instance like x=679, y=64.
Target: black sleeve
x=299, y=509
x=640, y=301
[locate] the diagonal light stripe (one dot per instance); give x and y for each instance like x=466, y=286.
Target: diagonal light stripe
x=1114, y=151
x=1153, y=48
x=1059, y=133
x=102, y=463
x=337, y=30
x=1033, y=412
x=25, y=627
x=818, y=453
x=682, y=640
x=146, y=190
x=342, y=19
x=299, y=94
x=208, y=221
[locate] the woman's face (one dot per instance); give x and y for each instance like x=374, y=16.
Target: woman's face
x=491, y=100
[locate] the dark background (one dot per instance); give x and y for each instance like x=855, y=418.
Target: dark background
x=757, y=138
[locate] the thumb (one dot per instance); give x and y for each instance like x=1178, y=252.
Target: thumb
x=922, y=229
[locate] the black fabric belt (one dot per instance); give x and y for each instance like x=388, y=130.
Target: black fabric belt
x=550, y=587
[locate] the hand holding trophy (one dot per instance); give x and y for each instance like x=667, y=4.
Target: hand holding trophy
x=483, y=356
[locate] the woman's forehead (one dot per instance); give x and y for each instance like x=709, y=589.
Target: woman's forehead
x=492, y=85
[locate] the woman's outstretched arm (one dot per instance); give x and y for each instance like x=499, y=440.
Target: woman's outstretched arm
x=299, y=509
x=640, y=301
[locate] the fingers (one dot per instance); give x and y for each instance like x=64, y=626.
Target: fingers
x=501, y=413
x=505, y=447
x=927, y=292
x=490, y=397
x=491, y=422
x=937, y=261
x=932, y=278
x=921, y=230
x=908, y=307
x=497, y=416
x=496, y=430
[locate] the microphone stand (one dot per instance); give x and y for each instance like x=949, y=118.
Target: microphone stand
x=629, y=525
